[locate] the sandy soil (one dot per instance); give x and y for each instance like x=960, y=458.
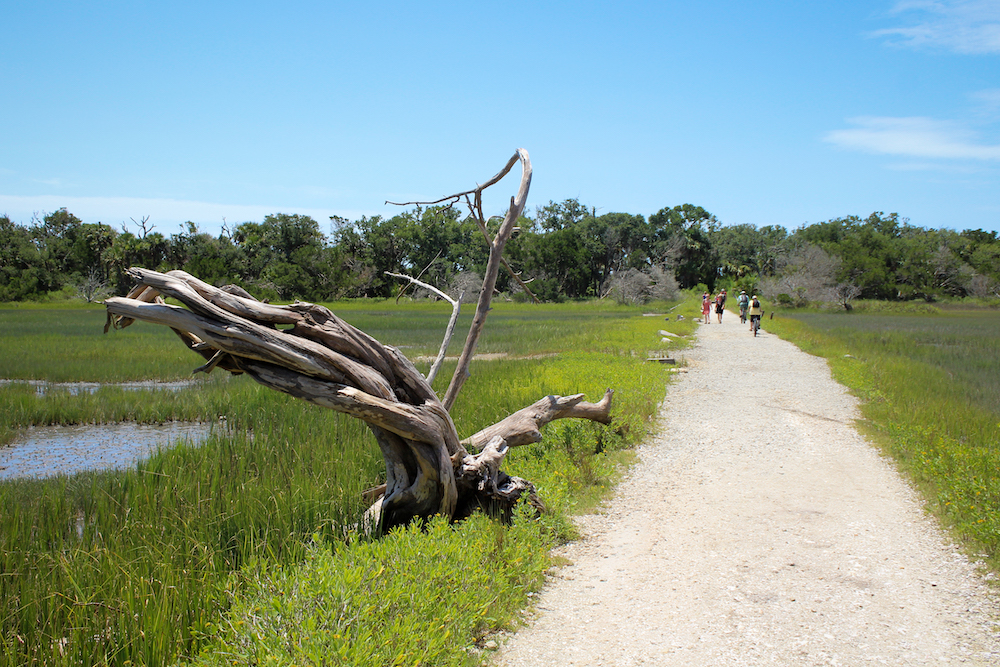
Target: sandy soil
x=760, y=528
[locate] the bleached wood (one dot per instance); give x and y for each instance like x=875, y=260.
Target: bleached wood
x=328, y=362
x=524, y=426
x=456, y=308
x=492, y=269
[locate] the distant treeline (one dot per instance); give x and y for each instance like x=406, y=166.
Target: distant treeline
x=565, y=251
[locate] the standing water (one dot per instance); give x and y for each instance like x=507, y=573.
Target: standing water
x=53, y=450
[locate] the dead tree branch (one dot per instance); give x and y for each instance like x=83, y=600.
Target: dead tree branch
x=492, y=268
x=456, y=307
x=328, y=362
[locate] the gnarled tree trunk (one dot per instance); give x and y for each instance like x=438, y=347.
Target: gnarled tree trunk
x=330, y=363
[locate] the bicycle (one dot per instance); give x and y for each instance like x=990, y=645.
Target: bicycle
x=755, y=324
x=743, y=314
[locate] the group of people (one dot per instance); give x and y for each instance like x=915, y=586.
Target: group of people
x=706, y=306
x=748, y=306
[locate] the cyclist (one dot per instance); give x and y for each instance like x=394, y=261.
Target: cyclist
x=755, y=312
x=744, y=302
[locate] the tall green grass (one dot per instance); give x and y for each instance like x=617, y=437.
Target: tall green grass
x=67, y=344
x=930, y=391
x=159, y=563
x=422, y=595
x=114, y=566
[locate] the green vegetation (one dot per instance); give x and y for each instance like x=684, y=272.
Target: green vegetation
x=566, y=249
x=176, y=557
x=416, y=597
x=66, y=344
x=930, y=390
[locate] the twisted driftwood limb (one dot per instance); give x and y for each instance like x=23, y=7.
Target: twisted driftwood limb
x=524, y=426
x=324, y=360
x=497, y=243
x=456, y=308
x=492, y=269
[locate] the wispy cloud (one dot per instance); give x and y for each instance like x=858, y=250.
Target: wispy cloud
x=937, y=167
x=964, y=26
x=914, y=137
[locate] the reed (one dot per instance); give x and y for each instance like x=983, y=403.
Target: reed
x=150, y=565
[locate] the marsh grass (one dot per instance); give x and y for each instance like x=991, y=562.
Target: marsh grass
x=401, y=600
x=66, y=344
x=114, y=566
x=930, y=392
x=161, y=562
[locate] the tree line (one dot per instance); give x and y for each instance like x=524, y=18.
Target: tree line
x=563, y=251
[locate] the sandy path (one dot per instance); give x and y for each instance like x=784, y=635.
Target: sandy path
x=759, y=528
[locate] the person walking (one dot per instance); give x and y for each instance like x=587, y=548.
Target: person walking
x=720, y=304
x=706, y=308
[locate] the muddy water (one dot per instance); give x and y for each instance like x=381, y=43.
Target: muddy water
x=43, y=451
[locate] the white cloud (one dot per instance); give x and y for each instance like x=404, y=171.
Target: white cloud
x=965, y=26
x=166, y=214
x=937, y=167
x=914, y=137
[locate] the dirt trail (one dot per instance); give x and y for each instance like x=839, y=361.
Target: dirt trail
x=759, y=528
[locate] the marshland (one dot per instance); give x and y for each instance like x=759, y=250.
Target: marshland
x=158, y=561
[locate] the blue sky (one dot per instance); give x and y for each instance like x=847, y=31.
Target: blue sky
x=764, y=113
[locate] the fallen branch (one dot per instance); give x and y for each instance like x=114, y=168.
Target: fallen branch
x=326, y=361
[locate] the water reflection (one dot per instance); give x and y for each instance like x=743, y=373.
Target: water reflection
x=42, y=451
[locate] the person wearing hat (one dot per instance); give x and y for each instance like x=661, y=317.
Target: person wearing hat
x=744, y=302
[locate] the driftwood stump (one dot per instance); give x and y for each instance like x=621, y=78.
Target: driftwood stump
x=318, y=357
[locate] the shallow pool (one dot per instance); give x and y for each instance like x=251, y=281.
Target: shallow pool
x=43, y=451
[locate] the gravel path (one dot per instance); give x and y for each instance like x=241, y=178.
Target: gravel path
x=759, y=528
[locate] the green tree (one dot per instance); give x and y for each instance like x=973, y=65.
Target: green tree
x=680, y=238
x=745, y=250
x=20, y=263
x=368, y=248
x=54, y=238
x=981, y=250
x=575, y=253
x=558, y=263
x=150, y=251
x=616, y=242
x=871, y=251
x=555, y=216
x=217, y=261
x=287, y=256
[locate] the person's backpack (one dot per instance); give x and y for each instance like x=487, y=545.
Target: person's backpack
x=743, y=299
x=756, y=303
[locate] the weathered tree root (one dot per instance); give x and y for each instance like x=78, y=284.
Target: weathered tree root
x=324, y=360
x=329, y=363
